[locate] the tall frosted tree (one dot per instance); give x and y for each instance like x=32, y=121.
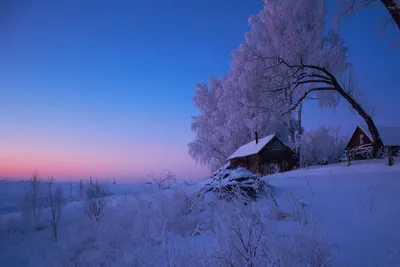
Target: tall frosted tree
x=208, y=147
x=289, y=37
x=223, y=124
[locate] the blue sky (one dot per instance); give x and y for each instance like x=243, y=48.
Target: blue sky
x=101, y=88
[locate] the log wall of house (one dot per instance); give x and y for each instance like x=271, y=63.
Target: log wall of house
x=285, y=157
x=245, y=162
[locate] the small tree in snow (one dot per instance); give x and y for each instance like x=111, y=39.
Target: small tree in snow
x=56, y=202
x=70, y=190
x=81, y=189
x=32, y=197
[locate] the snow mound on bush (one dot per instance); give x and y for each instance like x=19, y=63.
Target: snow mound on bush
x=240, y=179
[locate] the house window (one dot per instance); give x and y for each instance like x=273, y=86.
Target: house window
x=361, y=139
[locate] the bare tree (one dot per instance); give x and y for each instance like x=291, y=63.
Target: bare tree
x=70, y=190
x=81, y=189
x=56, y=203
x=31, y=197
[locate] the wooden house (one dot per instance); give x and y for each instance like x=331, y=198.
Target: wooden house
x=260, y=155
x=360, y=143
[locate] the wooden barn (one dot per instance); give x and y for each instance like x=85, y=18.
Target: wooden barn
x=266, y=155
x=360, y=143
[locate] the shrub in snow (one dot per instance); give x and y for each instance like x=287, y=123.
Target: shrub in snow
x=271, y=168
x=243, y=241
x=165, y=181
x=96, y=194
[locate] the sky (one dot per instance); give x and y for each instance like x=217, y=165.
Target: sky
x=94, y=88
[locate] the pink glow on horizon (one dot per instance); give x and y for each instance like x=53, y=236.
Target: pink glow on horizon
x=72, y=163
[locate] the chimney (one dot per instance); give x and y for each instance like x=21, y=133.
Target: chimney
x=256, y=137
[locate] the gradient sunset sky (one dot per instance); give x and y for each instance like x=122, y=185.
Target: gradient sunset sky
x=104, y=88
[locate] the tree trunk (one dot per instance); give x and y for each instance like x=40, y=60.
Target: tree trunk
x=393, y=9
x=390, y=156
x=290, y=126
x=291, y=129
x=299, y=113
x=377, y=141
x=348, y=159
x=55, y=233
x=299, y=131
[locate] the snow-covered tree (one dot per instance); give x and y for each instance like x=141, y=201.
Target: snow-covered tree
x=224, y=124
x=251, y=78
x=208, y=146
x=321, y=146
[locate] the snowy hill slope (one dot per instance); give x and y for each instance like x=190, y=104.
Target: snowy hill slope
x=357, y=207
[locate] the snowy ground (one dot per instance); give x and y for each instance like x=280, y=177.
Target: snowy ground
x=357, y=207
x=348, y=216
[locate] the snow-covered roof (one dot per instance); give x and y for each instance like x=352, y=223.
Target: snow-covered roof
x=252, y=148
x=390, y=135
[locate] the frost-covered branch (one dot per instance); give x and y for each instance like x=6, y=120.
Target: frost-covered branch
x=301, y=69
x=352, y=6
x=304, y=96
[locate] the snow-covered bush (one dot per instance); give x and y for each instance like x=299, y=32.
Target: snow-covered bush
x=321, y=146
x=96, y=194
x=271, y=168
x=229, y=184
